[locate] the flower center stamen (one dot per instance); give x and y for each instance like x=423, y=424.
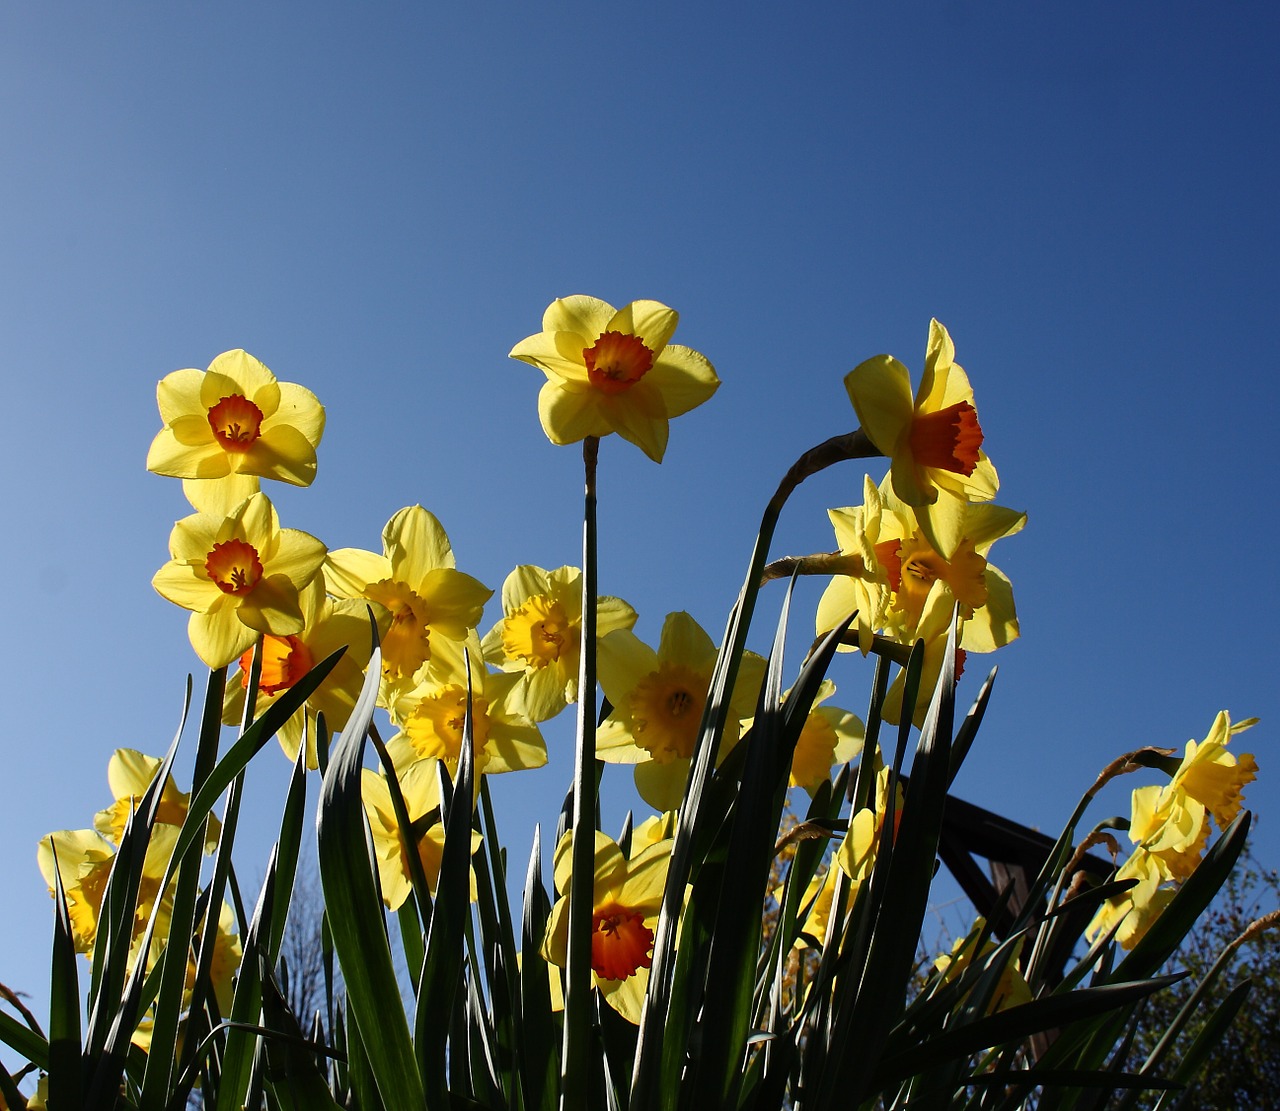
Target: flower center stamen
x=666, y=707
x=234, y=567
x=617, y=361
x=539, y=633
x=948, y=439
x=621, y=943
x=236, y=422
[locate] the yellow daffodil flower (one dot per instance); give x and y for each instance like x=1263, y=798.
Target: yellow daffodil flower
x=856, y=855
x=614, y=371
x=236, y=418
x=1013, y=988
x=129, y=774
x=829, y=736
x=415, y=580
x=1172, y=822
x=420, y=786
x=1137, y=908
x=933, y=440
x=84, y=859
x=328, y=624
x=658, y=698
x=864, y=590
x=541, y=632
x=430, y=716
x=626, y=899
x=227, y=954
x=240, y=575
x=935, y=623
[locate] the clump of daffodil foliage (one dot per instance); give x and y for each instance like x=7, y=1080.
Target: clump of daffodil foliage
x=640, y=973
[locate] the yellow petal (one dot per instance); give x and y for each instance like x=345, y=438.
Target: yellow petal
x=880, y=389
x=649, y=321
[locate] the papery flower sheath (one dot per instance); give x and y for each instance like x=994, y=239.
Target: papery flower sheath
x=612, y=370
x=236, y=418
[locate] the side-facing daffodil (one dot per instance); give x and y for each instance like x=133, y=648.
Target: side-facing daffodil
x=415, y=580
x=328, y=625
x=933, y=439
x=541, y=633
x=626, y=899
x=1012, y=989
x=829, y=736
x=420, y=787
x=239, y=575
x=658, y=698
x=612, y=370
x=129, y=774
x=1172, y=822
x=236, y=418
x=1134, y=910
x=431, y=714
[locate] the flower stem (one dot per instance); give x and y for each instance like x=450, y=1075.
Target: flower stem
x=575, y=1082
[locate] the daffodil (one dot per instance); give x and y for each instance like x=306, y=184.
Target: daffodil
x=415, y=580
x=240, y=575
x=658, y=699
x=1134, y=910
x=934, y=627
x=913, y=565
x=864, y=589
x=236, y=419
x=328, y=625
x=858, y=849
x=430, y=715
x=626, y=899
x=933, y=439
x=129, y=774
x=84, y=861
x=540, y=635
x=1012, y=989
x=613, y=370
x=829, y=736
x=420, y=787
x=1172, y=822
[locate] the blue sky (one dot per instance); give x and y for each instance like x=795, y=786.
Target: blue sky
x=379, y=201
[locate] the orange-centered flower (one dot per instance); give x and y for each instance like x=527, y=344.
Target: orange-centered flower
x=616, y=361
x=236, y=422
x=613, y=370
x=285, y=660
x=948, y=439
x=620, y=942
x=235, y=419
x=234, y=566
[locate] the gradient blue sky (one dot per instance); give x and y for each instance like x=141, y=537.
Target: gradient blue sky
x=379, y=200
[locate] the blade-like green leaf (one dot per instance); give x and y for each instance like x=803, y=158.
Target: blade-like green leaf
x=66, y=1080
x=355, y=916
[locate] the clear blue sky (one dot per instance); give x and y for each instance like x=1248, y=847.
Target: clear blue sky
x=379, y=200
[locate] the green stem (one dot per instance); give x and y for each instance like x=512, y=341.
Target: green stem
x=645, y=1094
x=575, y=1084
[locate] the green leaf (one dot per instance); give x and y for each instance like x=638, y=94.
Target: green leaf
x=540, y=1069
x=442, y=967
x=355, y=916
x=66, y=1080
